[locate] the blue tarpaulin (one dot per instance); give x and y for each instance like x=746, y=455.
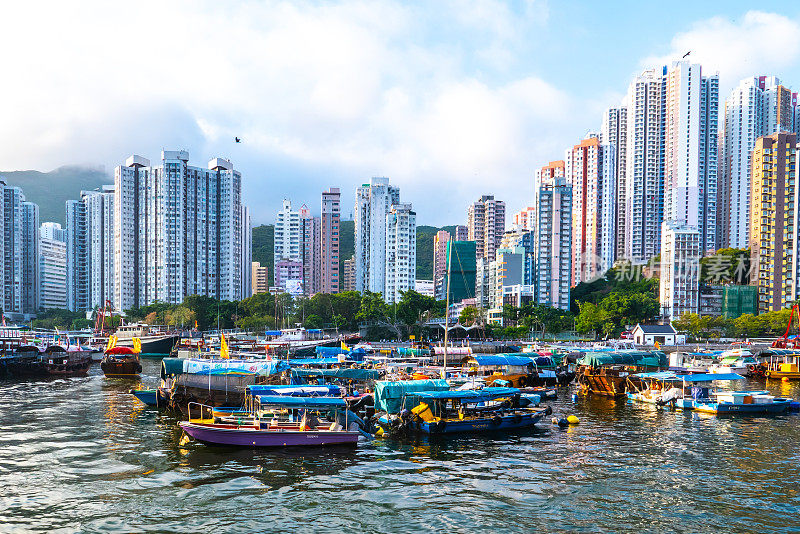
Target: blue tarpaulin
x=708, y=377
x=316, y=361
x=389, y=395
x=296, y=391
x=272, y=333
x=346, y=374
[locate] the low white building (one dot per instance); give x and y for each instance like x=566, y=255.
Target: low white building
x=664, y=334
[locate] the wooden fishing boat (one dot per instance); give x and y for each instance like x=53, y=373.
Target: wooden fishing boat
x=451, y=412
x=120, y=362
x=274, y=422
x=606, y=373
x=60, y=362
x=782, y=364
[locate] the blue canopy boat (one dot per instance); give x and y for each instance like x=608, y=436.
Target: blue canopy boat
x=450, y=412
x=696, y=392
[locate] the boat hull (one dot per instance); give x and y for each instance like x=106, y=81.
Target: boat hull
x=121, y=367
x=463, y=426
x=153, y=344
x=724, y=408
x=147, y=396
x=242, y=437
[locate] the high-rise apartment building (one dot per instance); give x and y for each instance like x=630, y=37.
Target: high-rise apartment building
x=509, y=267
x=52, y=230
x=690, y=154
x=552, y=247
x=401, y=251
x=644, y=173
x=52, y=266
x=756, y=107
x=774, y=221
x=329, y=241
x=287, y=239
x=373, y=205
x=90, y=239
x=440, y=241
x=309, y=251
x=179, y=230
x=548, y=173
x=349, y=274
x=19, y=222
x=614, y=133
x=260, y=278
x=590, y=170
x=486, y=222
x=461, y=233
x=525, y=219
x=680, y=270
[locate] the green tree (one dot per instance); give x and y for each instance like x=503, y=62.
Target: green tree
x=469, y=315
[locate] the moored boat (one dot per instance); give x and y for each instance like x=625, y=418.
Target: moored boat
x=697, y=392
x=275, y=421
x=147, y=396
x=464, y=411
x=606, y=373
x=121, y=361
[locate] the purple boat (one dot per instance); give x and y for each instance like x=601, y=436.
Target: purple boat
x=269, y=431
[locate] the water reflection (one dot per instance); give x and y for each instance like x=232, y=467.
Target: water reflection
x=82, y=454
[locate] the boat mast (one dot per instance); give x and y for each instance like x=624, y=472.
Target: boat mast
x=447, y=305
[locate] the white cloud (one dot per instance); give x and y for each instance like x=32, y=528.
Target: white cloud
x=351, y=89
x=757, y=43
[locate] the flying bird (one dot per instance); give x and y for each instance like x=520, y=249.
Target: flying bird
x=687, y=53
x=238, y=140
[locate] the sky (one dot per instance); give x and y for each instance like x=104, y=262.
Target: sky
x=450, y=99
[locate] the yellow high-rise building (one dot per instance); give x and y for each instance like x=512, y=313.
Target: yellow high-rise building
x=774, y=221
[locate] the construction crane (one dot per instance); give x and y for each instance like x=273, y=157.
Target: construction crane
x=784, y=342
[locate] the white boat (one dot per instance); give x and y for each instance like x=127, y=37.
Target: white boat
x=734, y=364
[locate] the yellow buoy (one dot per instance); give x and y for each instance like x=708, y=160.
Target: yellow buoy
x=785, y=379
x=379, y=433
x=573, y=420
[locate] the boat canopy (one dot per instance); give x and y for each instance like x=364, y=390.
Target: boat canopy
x=708, y=377
x=297, y=362
x=390, y=395
x=349, y=374
x=498, y=359
x=658, y=375
x=640, y=358
x=302, y=402
x=296, y=391
x=471, y=395
x=410, y=351
x=200, y=366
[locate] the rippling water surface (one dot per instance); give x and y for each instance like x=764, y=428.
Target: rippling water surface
x=82, y=455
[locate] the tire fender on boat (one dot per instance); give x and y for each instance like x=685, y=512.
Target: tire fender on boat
x=496, y=420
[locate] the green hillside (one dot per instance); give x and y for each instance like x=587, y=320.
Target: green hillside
x=263, y=240
x=425, y=235
x=51, y=190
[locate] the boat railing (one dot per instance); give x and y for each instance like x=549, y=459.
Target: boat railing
x=201, y=410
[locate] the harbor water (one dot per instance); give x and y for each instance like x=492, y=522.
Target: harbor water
x=82, y=454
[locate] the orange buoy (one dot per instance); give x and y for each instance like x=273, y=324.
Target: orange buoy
x=785, y=379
